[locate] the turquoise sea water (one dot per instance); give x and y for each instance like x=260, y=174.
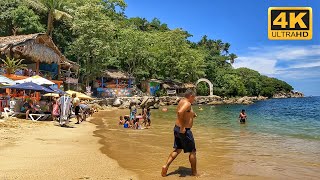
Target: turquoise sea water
x=296, y=117
x=281, y=140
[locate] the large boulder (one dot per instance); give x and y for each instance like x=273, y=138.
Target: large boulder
x=117, y=102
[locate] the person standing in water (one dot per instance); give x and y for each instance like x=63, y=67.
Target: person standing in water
x=243, y=117
x=183, y=137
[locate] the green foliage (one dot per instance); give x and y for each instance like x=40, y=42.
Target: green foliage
x=12, y=64
x=25, y=21
x=203, y=89
x=93, y=46
x=17, y=18
x=97, y=35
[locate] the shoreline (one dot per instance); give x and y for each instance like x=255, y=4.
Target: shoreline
x=44, y=150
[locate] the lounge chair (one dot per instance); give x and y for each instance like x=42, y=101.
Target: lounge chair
x=36, y=117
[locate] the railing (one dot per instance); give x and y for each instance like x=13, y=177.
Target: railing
x=46, y=74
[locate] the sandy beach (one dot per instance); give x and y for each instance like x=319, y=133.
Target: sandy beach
x=44, y=150
x=101, y=149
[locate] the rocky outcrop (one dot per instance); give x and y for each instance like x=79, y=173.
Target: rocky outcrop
x=292, y=94
x=156, y=102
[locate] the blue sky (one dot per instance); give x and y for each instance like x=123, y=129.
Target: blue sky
x=243, y=23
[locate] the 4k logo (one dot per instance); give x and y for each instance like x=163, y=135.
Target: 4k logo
x=290, y=23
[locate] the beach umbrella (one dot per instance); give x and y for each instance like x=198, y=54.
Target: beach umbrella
x=36, y=79
x=56, y=90
x=51, y=95
x=6, y=81
x=30, y=86
x=79, y=95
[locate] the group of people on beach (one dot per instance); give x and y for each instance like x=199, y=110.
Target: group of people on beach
x=63, y=106
x=133, y=120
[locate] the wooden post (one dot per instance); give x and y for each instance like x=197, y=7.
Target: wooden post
x=59, y=72
x=101, y=82
x=37, y=67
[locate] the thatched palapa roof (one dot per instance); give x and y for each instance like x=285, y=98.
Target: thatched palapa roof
x=35, y=47
x=116, y=74
x=189, y=85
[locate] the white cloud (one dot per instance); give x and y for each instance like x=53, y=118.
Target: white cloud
x=287, y=61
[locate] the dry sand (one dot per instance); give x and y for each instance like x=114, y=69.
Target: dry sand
x=44, y=150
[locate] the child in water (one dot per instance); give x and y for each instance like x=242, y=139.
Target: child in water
x=126, y=124
x=148, y=114
x=121, y=121
x=243, y=117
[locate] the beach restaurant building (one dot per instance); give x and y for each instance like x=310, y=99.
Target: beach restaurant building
x=113, y=83
x=41, y=56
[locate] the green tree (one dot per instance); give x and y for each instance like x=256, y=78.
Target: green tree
x=54, y=10
x=93, y=46
x=16, y=18
x=232, y=57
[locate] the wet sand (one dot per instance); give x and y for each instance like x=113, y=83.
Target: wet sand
x=145, y=151
x=221, y=153
x=44, y=150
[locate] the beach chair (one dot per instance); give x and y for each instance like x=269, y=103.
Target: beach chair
x=37, y=117
x=7, y=112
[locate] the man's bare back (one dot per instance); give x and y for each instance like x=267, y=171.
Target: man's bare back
x=185, y=114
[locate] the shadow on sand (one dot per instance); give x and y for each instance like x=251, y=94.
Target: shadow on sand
x=182, y=171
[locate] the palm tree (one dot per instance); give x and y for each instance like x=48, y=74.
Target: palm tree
x=54, y=10
x=12, y=64
x=232, y=58
x=226, y=48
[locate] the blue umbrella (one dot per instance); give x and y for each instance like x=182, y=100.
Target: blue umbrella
x=56, y=90
x=30, y=86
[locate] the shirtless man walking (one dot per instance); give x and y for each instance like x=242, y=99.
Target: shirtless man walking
x=183, y=137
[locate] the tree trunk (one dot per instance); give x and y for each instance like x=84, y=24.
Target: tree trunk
x=50, y=23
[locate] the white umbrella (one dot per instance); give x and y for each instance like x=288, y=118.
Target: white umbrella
x=37, y=80
x=6, y=81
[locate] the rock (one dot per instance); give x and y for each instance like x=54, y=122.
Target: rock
x=247, y=102
x=162, y=103
x=117, y=103
x=229, y=101
x=156, y=106
x=261, y=98
x=291, y=94
x=215, y=103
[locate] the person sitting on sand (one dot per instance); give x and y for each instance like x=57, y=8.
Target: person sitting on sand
x=121, y=121
x=126, y=124
x=27, y=108
x=136, y=124
x=243, y=117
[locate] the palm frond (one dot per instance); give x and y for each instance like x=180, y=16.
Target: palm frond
x=60, y=14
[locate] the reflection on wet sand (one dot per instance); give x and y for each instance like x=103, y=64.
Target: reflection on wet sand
x=221, y=153
x=145, y=151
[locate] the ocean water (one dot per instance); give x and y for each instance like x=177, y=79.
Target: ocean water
x=298, y=117
x=281, y=140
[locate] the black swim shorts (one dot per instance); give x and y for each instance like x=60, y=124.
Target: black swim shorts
x=242, y=121
x=184, y=141
x=77, y=110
